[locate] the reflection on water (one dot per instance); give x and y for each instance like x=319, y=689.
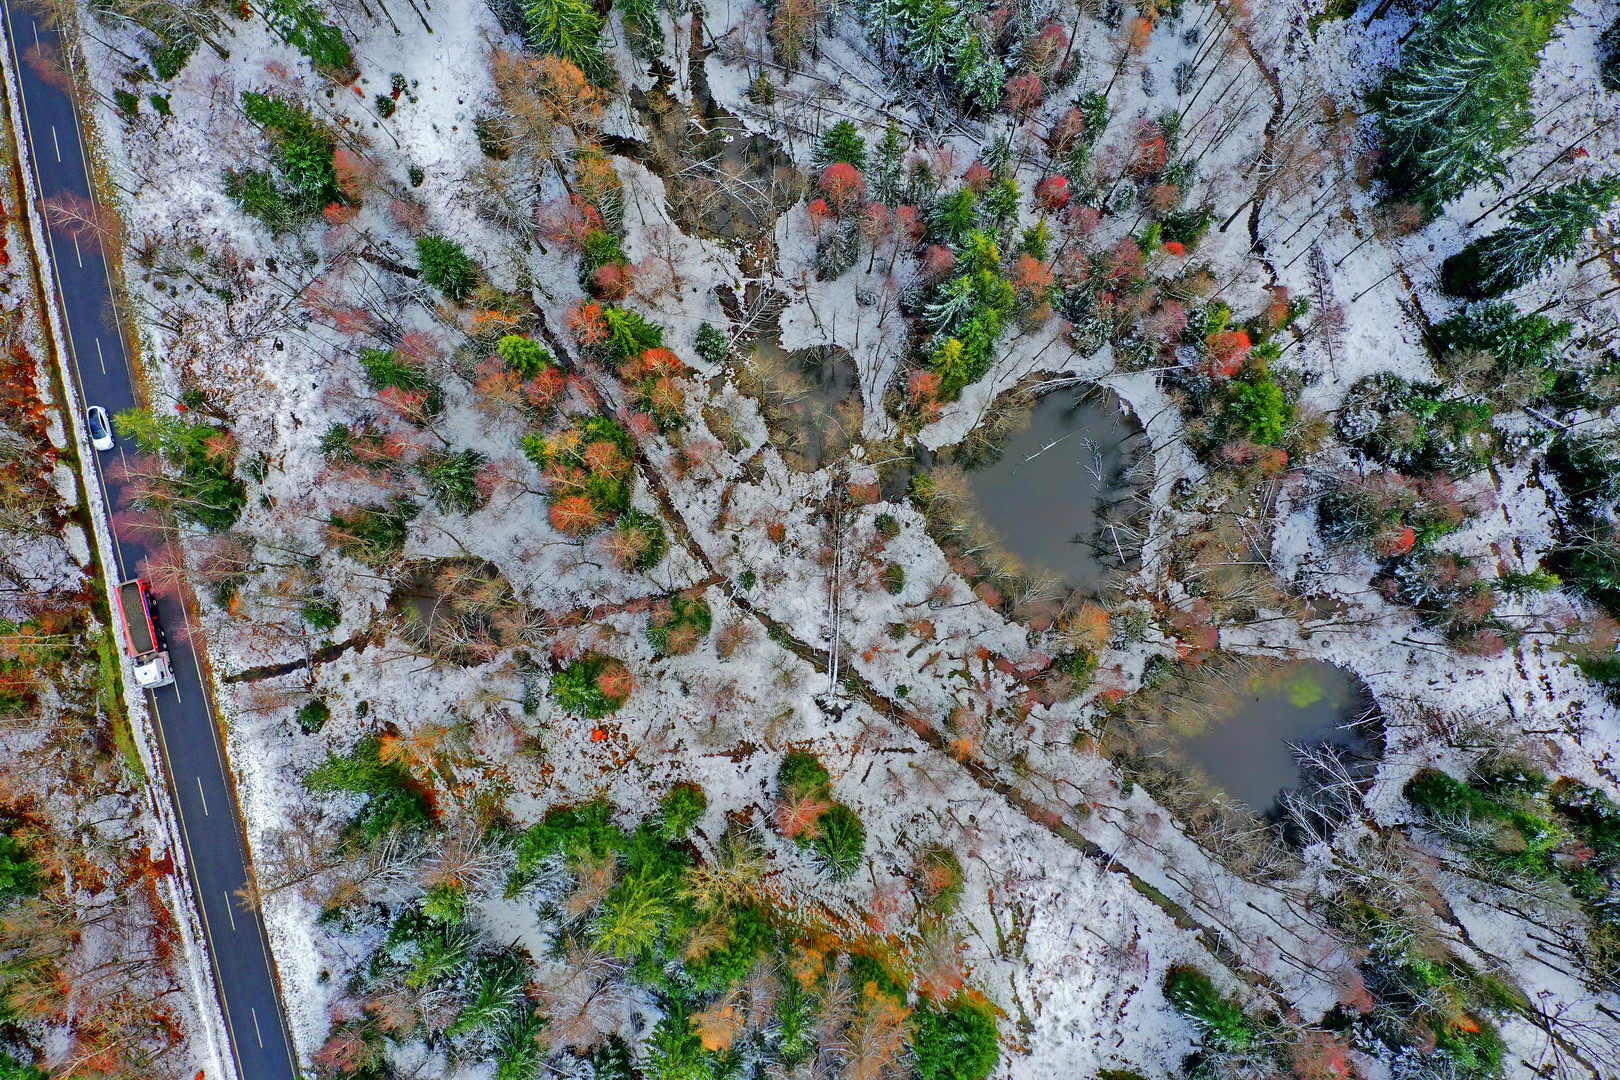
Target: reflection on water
x=1244, y=744
x=1061, y=495
x=811, y=398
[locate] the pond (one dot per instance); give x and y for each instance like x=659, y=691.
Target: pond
x=1061, y=494
x=811, y=400
x=1244, y=741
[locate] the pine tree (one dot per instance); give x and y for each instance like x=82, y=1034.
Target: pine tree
x=1461, y=97
x=841, y=142
x=885, y=178
x=569, y=29
x=954, y=216
x=928, y=28
x=980, y=78
x=1547, y=228
x=445, y=266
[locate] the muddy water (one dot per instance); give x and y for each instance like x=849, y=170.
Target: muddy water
x=812, y=401
x=1245, y=746
x=1059, y=496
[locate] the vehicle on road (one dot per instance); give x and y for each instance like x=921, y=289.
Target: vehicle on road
x=141, y=633
x=101, y=433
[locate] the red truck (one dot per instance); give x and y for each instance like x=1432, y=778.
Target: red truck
x=141, y=634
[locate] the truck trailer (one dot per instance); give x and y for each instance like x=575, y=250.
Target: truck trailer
x=142, y=636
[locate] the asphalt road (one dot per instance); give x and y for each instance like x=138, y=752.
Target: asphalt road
x=210, y=823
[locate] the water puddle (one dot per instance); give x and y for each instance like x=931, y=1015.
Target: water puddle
x=723, y=181
x=811, y=400
x=459, y=610
x=1062, y=493
x=1249, y=730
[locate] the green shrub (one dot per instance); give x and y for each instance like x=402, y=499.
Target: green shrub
x=678, y=624
x=1515, y=342
x=385, y=370
x=446, y=902
x=446, y=267
x=954, y=1043
x=649, y=541
x=894, y=579
x=628, y=334
x=374, y=534
x=1080, y=666
x=887, y=525
x=19, y=874
x=299, y=24
x=13, y=1069
x=128, y=102
x=1256, y=409
x=841, y=142
x=578, y=832
x=313, y=714
x=940, y=879
x=321, y=612
x=452, y=480
x=569, y=29
x=711, y=344
x=1608, y=48
x=171, y=53
x=840, y=841
x=527, y=356
x=1417, y=427
x=681, y=809
x=593, y=686
x=801, y=775
x=302, y=154
x=1186, y=227
x=1221, y=1020
x=392, y=800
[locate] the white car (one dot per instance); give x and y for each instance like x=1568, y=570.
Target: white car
x=101, y=435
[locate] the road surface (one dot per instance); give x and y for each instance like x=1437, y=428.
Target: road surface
x=210, y=824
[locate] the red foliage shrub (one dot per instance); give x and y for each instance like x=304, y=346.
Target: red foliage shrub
x=843, y=185
x=1065, y=130
x=1030, y=276
x=409, y=217
x=1024, y=94
x=1228, y=349
x=575, y=515
x=587, y=323
x=937, y=262
x=1150, y=154
x=616, y=682
x=1052, y=193
x=978, y=177
x=1175, y=247
x=567, y=224
x=923, y=387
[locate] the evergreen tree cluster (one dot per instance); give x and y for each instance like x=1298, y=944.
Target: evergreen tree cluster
x=1460, y=100
x=572, y=30
x=302, y=180
x=950, y=44
x=203, y=489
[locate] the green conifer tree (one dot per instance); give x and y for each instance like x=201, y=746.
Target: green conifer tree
x=569, y=29
x=841, y=142
x=885, y=178
x=1461, y=97
x=445, y=266
x=1547, y=228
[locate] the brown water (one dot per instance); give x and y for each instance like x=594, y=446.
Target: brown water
x=1245, y=745
x=1060, y=495
x=812, y=401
